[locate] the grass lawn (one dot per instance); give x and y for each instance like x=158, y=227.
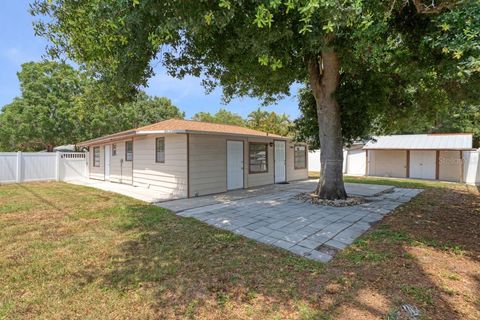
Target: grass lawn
x=74, y=252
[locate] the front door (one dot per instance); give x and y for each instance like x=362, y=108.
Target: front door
x=280, y=162
x=107, y=154
x=234, y=165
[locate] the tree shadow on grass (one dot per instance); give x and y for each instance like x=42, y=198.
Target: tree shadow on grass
x=188, y=267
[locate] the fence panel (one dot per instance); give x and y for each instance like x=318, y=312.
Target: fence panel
x=471, y=169
x=73, y=166
x=39, y=166
x=42, y=166
x=8, y=167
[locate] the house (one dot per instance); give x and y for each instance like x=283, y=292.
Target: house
x=437, y=156
x=183, y=158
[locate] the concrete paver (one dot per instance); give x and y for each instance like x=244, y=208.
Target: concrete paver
x=273, y=216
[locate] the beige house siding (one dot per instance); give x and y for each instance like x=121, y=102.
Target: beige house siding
x=259, y=179
x=96, y=172
x=208, y=164
x=292, y=173
x=195, y=164
x=120, y=170
x=169, y=177
x=387, y=163
x=450, y=166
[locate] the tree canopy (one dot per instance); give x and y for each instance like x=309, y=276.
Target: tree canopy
x=259, y=119
x=61, y=105
x=359, y=57
x=221, y=116
x=271, y=122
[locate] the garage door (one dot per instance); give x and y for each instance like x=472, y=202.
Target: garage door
x=422, y=164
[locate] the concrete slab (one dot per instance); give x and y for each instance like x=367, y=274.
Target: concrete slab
x=272, y=216
x=366, y=190
x=354, y=189
x=139, y=193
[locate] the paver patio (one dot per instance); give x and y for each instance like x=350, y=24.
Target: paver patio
x=274, y=217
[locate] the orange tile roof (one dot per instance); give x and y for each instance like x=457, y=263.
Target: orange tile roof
x=184, y=126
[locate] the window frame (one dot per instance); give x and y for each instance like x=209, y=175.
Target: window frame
x=266, y=144
x=157, y=151
x=114, y=149
x=96, y=150
x=126, y=150
x=295, y=156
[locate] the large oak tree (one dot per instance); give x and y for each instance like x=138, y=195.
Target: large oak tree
x=394, y=49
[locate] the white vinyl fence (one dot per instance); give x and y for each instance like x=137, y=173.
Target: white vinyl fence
x=471, y=171
x=42, y=166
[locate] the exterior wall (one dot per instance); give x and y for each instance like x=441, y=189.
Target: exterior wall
x=261, y=179
x=387, y=163
x=208, y=164
x=121, y=171
x=97, y=172
x=450, y=166
x=194, y=164
x=169, y=177
x=292, y=173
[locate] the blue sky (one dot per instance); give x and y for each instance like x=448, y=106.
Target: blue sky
x=18, y=44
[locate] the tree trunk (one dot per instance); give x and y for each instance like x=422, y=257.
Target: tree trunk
x=324, y=73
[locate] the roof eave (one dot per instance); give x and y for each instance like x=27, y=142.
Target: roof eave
x=119, y=136
x=146, y=132
x=112, y=137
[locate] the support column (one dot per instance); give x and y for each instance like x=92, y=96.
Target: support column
x=437, y=165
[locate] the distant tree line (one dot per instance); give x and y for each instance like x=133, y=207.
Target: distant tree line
x=61, y=105
x=259, y=119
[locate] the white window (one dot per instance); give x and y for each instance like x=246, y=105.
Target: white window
x=300, y=159
x=114, y=150
x=96, y=156
x=258, y=156
x=128, y=150
x=160, y=150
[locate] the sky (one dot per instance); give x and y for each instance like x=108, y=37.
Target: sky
x=18, y=44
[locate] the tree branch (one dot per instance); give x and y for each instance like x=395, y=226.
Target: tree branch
x=433, y=6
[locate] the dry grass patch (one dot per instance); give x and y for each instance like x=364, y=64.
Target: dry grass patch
x=76, y=252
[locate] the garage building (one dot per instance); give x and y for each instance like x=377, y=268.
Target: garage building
x=419, y=156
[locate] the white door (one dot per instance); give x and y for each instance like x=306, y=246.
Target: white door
x=107, y=155
x=280, y=161
x=422, y=164
x=234, y=165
